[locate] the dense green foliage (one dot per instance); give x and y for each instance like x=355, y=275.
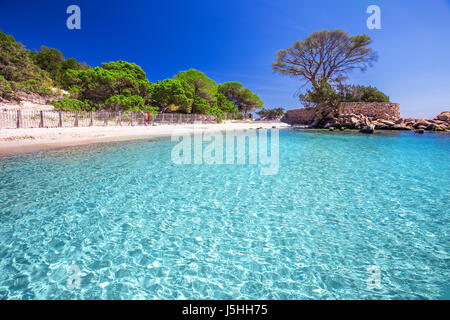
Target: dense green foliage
x=52, y=61
x=67, y=104
x=203, y=89
x=173, y=95
x=111, y=79
x=19, y=70
x=243, y=99
x=358, y=93
x=128, y=103
x=270, y=114
x=116, y=86
x=325, y=94
x=6, y=91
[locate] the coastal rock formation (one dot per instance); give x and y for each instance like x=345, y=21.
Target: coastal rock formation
x=443, y=116
x=357, y=115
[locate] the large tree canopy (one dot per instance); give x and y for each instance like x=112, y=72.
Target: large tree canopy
x=325, y=56
x=204, y=89
x=202, y=85
x=173, y=95
x=244, y=99
x=52, y=61
x=113, y=78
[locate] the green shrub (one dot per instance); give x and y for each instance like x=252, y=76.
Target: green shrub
x=325, y=94
x=6, y=91
x=67, y=104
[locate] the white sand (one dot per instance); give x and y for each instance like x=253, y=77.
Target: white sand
x=15, y=141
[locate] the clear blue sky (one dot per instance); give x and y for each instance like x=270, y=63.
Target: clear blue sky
x=236, y=40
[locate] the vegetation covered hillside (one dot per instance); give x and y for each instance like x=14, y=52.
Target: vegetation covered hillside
x=116, y=86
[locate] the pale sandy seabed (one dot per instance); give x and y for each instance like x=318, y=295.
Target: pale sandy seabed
x=16, y=141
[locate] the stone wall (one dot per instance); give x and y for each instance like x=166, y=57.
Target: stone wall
x=376, y=110
x=303, y=115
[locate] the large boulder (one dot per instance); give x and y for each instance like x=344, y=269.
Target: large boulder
x=444, y=116
x=380, y=125
x=421, y=124
x=370, y=128
x=386, y=122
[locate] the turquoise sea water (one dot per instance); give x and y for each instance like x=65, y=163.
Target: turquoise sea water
x=137, y=226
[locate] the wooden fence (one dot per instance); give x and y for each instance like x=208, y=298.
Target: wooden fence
x=236, y=116
x=60, y=119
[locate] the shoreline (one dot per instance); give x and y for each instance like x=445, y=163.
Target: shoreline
x=20, y=141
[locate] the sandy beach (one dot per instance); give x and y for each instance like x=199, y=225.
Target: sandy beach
x=16, y=141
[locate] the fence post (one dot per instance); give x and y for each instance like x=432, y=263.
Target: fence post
x=41, y=115
x=19, y=119
x=91, y=123
x=76, y=119
x=60, y=124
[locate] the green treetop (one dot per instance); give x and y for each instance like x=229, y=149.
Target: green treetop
x=244, y=99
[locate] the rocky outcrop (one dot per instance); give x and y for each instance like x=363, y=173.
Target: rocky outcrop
x=385, y=117
x=355, y=121
x=444, y=116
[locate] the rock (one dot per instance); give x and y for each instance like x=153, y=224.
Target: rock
x=399, y=121
x=386, y=122
x=354, y=119
x=368, y=129
x=315, y=122
x=400, y=127
x=421, y=131
x=379, y=125
x=444, y=116
x=421, y=123
x=434, y=127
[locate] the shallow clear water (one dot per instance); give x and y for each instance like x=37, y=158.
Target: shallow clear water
x=140, y=227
